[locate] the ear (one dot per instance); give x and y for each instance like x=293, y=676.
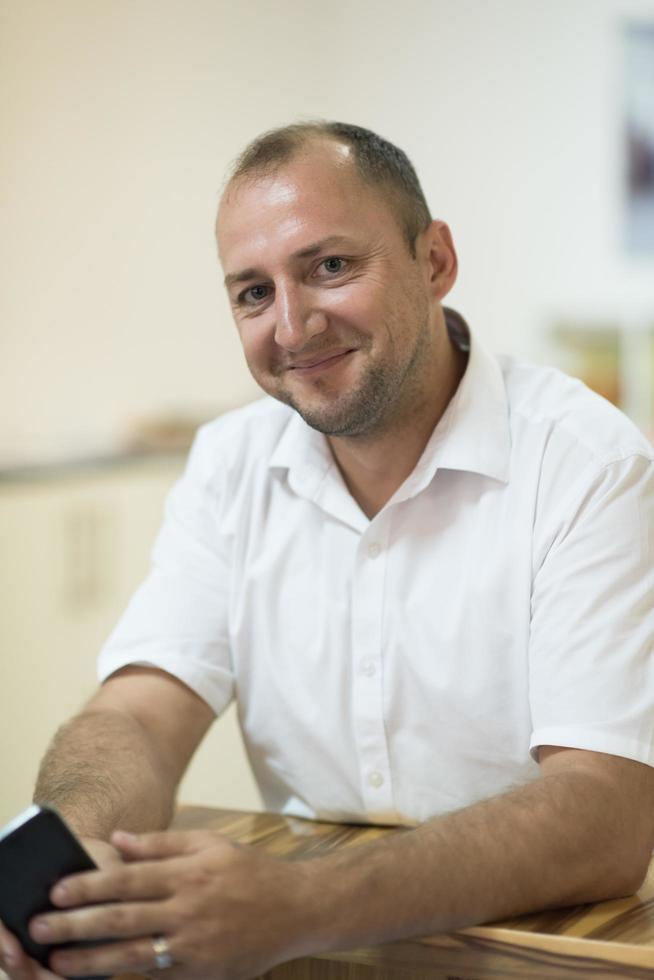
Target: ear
x=441, y=262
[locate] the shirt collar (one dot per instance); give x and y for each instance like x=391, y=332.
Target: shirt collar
x=473, y=434
x=305, y=453
x=313, y=473
x=474, y=431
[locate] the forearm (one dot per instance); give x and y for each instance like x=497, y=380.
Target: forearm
x=233, y=911
x=102, y=771
x=552, y=843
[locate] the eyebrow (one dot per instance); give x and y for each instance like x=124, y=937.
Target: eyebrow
x=304, y=253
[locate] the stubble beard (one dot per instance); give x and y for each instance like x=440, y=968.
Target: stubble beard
x=355, y=413
x=375, y=404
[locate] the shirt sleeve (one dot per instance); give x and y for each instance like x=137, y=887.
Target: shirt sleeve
x=178, y=618
x=591, y=657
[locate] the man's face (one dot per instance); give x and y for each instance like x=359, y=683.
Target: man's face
x=332, y=310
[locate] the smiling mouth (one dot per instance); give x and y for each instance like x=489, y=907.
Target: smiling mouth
x=321, y=362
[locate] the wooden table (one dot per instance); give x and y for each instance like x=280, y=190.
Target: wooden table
x=605, y=941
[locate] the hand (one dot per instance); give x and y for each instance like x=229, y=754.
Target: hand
x=227, y=911
x=103, y=853
x=13, y=959
x=16, y=964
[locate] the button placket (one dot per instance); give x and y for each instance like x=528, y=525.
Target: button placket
x=367, y=621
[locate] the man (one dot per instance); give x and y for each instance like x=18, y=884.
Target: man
x=425, y=573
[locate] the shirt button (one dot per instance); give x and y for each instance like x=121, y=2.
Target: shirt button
x=373, y=550
x=375, y=779
x=368, y=667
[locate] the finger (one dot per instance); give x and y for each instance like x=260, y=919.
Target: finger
x=35, y=971
x=13, y=958
x=28, y=970
x=162, y=844
x=123, y=882
x=101, y=851
x=11, y=952
x=121, y=921
x=134, y=956
x=16, y=963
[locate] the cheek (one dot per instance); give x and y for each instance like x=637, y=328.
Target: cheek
x=257, y=342
x=352, y=304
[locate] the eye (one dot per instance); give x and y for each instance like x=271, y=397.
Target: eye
x=333, y=264
x=254, y=294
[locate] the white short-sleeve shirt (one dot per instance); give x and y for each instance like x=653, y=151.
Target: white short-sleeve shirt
x=393, y=669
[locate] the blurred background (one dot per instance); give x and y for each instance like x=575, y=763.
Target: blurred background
x=531, y=125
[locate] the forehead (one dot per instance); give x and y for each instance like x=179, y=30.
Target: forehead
x=316, y=195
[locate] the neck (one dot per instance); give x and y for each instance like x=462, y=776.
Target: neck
x=374, y=466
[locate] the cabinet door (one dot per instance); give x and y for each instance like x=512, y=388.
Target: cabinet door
x=71, y=553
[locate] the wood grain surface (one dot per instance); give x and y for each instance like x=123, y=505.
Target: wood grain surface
x=606, y=941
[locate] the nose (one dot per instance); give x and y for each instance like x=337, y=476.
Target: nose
x=296, y=318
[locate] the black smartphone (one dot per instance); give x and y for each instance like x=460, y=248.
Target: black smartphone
x=36, y=850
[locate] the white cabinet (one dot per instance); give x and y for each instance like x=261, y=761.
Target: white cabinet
x=73, y=546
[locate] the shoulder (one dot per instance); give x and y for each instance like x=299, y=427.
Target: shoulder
x=581, y=457
x=564, y=416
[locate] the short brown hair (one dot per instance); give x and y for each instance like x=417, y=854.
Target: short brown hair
x=378, y=163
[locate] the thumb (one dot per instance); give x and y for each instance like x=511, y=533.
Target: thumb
x=161, y=844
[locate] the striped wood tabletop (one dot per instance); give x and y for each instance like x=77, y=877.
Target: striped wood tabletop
x=606, y=941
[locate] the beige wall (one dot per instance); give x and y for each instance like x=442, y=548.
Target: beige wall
x=120, y=116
